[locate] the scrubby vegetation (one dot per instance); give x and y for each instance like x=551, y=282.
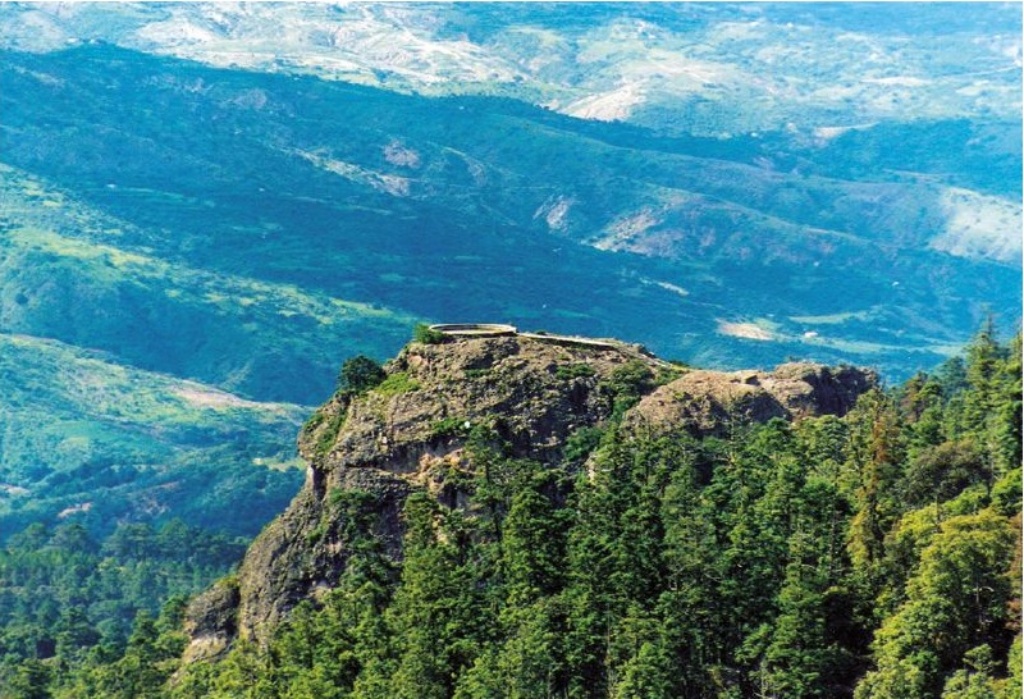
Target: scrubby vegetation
x=423, y=333
x=399, y=382
x=360, y=374
x=574, y=371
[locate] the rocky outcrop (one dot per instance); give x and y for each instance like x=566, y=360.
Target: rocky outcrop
x=711, y=403
x=210, y=623
x=412, y=430
x=406, y=434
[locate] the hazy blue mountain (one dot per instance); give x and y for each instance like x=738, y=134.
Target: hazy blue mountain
x=202, y=192
x=708, y=68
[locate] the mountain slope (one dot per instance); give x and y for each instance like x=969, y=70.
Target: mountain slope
x=412, y=204
x=429, y=425
x=73, y=273
x=84, y=438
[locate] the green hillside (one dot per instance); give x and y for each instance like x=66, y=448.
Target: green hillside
x=76, y=274
x=205, y=209
x=98, y=443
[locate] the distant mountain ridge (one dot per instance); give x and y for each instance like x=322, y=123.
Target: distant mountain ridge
x=709, y=68
x=413, y=198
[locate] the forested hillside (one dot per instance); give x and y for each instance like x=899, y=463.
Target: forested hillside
x=872, y=555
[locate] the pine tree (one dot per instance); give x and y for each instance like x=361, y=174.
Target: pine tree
x=956, y=600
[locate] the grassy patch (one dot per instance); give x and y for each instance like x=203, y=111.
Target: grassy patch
x=329, y=434
x=397, y=383
x=423, y=334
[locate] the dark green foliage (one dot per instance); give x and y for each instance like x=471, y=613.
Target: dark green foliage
x=956, y=599
x=136, y=224
x=627, y=384
x=581, y=443
x=761, y=565
x=360, y=374
x=76, y=614
x=574, y=371
x=450, y=427
x=154, y=240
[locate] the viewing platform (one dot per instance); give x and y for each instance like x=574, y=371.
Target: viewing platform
x=482, y=330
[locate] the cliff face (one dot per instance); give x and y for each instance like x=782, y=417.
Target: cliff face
x=411, y=433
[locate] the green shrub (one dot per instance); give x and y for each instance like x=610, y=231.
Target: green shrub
x=450, y=427
x=330, y=432
x=359, y=374
x=422, y=333
x=626, y=386
x=574, y=371
x=314, y=421
x=581, y=442
x=317, y=533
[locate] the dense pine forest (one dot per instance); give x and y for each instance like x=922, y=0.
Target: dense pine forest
x=874, y=556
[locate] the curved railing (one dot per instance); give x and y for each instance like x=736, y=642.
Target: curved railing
x=571, y=340
x=502, y=330
x=475, y=329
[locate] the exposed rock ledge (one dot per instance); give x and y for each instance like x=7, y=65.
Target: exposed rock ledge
x=711, y=402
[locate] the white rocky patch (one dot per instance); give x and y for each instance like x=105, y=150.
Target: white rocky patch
x=175, y=32
x=613, y=105
x=827, y=133
x=389, y=184
x=397, y=154
x=899, y=81
x=74, y=510
x=678, y=290
x=622, y=233
x=748, y=331
x=353, y=42
x=204, y=397
x=667, y=286
x=555, y=212
x=979, y=226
